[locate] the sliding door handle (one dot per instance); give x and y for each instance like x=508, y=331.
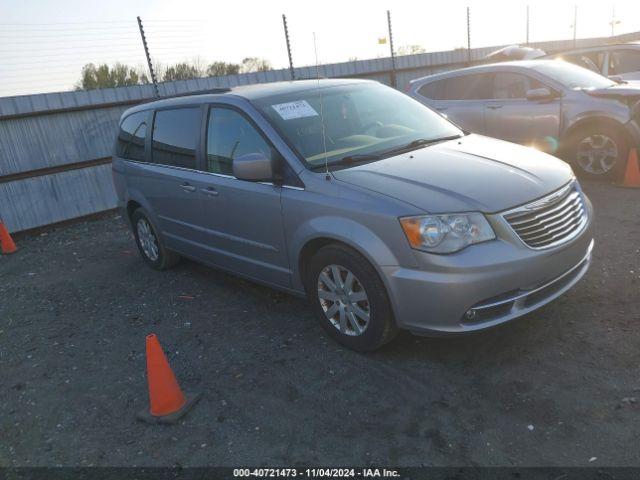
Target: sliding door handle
x=209, y=191
x=187, y=187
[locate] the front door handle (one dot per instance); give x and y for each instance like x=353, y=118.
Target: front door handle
x=210, y=191
x=494, y=107
x=187, y=187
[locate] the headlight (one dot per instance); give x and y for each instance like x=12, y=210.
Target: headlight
x=446, y=233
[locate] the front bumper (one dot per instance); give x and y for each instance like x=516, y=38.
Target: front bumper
x=486, y=284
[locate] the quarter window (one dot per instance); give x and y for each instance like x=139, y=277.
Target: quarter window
x=130, y=143
x=175, y=137
x=229, y=136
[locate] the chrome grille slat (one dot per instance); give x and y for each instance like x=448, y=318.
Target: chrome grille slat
x=561, y=214
x=544, y=211
x=559, y=233
x=550, y=221
x=574, y=215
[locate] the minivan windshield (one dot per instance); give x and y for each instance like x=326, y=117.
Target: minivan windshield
x=572, y=76
x=362, y=122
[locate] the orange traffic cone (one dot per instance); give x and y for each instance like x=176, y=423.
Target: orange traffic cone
x=6, y=242
x=632, y=175
x=168, y=403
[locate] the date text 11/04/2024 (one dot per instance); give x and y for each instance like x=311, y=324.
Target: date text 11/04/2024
x=316, y=472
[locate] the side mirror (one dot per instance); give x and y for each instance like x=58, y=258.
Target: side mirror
x=254, y=167
x=616, y=78
x=540, y=94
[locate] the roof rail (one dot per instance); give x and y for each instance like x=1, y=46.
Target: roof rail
x=197, y=92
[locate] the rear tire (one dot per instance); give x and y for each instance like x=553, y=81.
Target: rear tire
x=149, y=243
x=349, y=299
x=598, y=152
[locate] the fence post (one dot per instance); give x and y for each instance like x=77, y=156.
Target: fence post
x=527, y=26
x=393, y=55
x=468, y=35
x=286, y=37
x=146, y=52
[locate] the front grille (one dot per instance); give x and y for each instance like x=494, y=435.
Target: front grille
x=550, y=221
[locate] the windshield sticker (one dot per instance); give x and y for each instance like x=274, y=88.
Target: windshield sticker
x=291, y=110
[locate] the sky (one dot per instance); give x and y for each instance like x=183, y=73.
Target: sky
x=45, y=43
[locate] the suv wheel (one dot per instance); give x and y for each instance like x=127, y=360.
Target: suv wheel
x=599, y=152
x=349, y=298
x=149, y=244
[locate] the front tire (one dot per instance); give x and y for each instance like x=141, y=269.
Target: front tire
x=149, y=244
x=349, y=299
x=598, y=152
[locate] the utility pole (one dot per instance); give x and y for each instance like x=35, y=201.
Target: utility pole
x=575, y=24
x=146, y=52
x=527, y=25
x=393, y=55
x=468, y=35
x=286, y=37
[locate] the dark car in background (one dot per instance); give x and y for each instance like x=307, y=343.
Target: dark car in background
x=579, y=115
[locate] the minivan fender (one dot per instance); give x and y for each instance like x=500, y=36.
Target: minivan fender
x=323, y=230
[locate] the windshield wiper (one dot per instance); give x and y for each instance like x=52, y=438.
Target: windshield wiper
x=420, y=142
x=351, y=160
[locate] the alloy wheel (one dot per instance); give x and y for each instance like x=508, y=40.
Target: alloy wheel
x=597, y=154
x=344, y=300
x=147, y=239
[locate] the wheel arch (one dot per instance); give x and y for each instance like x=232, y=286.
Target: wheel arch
x=591, y=121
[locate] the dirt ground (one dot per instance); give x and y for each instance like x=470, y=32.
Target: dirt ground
x=558, y=387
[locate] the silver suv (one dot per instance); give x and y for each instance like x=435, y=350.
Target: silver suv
x=585, y=118
x=382, y=212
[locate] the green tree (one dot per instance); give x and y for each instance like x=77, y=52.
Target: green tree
x=255, y=64
x=217, y=69
x=411, y=49
x=181, y=71
x=104, y=76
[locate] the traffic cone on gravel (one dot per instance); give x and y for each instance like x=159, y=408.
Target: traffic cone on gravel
x=6, y=242
x=632, y=175
x=168, y=403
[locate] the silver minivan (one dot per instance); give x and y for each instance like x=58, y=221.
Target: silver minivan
x=385, y=214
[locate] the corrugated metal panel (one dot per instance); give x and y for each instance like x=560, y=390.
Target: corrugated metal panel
x=45, y=141
x=38, y=201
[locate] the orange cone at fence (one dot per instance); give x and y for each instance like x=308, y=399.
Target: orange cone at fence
x=632, y=175
x=6, y=242
x=167, y=402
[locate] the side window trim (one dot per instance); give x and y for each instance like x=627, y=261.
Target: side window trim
x=243, y=114
x=149, y=138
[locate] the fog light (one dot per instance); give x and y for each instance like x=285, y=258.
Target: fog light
x=470, y=314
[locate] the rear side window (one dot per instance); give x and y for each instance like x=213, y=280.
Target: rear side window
x=229, y=136
x=465, y=87
x=624, y=61
x=130, y=143
x=175, y=137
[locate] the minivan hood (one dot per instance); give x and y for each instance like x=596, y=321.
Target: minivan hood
x=474, y=173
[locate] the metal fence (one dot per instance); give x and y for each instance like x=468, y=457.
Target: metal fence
x=55, y=147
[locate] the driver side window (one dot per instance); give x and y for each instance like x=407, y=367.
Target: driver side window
x=513, y=85
x=230, y=135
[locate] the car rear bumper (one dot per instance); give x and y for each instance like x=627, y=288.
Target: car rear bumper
x=485, y=285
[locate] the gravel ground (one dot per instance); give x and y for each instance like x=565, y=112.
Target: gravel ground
x=558, y=387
